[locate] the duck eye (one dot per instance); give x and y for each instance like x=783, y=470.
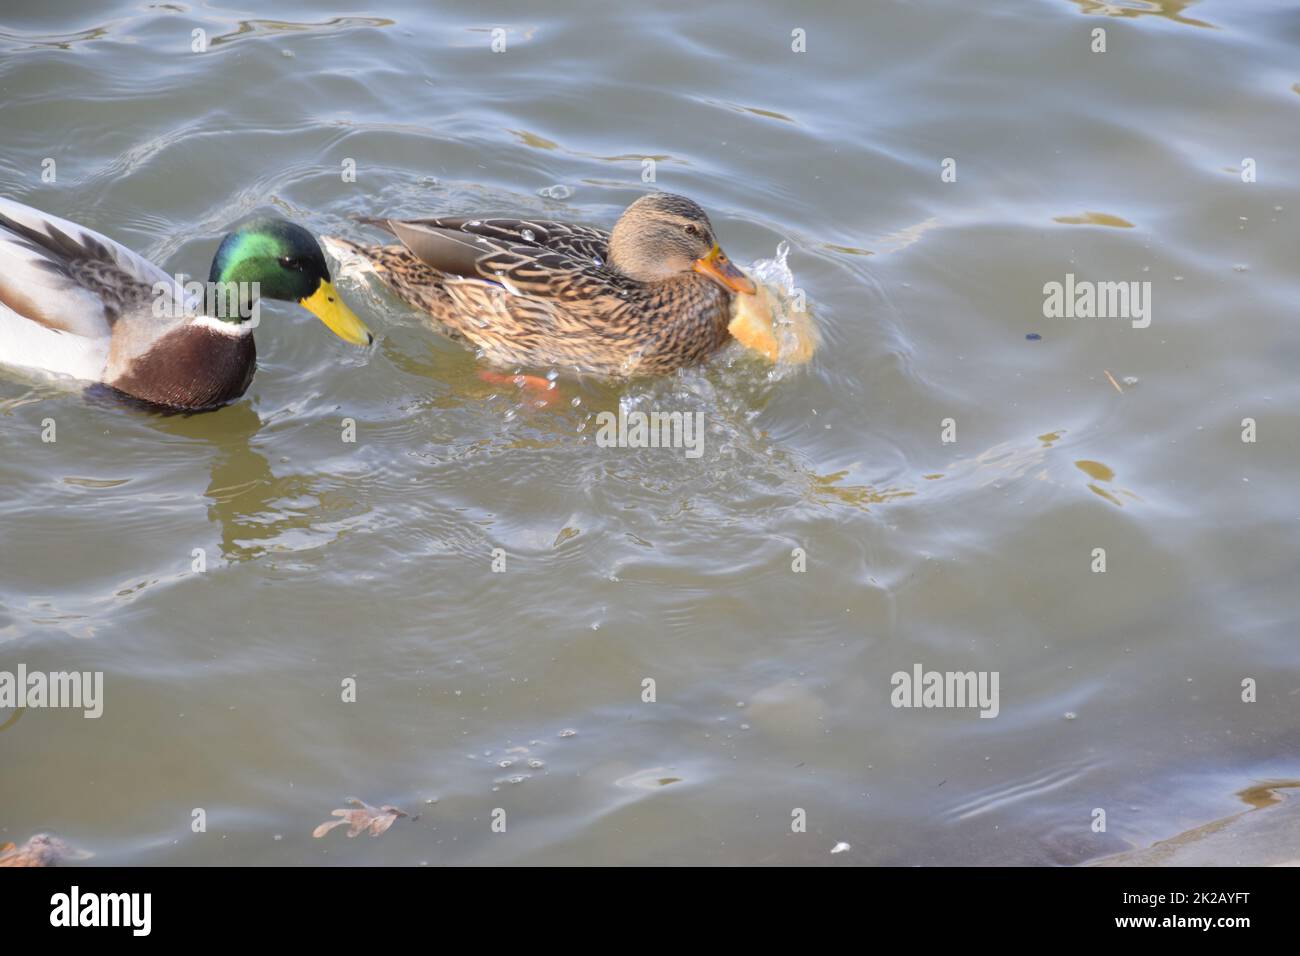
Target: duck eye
x=289, y=262
x=692, y=229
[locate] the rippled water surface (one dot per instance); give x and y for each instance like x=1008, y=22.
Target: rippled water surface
x=522, y=690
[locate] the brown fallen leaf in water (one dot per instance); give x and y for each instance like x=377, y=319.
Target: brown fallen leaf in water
x=362, y=817
x=40, y=850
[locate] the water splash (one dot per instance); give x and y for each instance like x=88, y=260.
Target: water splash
x=792, y=337
x=775, y=272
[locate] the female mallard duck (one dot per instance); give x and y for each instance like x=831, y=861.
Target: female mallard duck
x=76, y=303
x=650, y=297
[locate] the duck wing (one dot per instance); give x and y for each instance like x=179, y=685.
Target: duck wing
x=585, y=243
x=67, y=278
x=549, y=269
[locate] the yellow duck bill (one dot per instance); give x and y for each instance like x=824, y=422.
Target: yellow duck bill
x=328, y=306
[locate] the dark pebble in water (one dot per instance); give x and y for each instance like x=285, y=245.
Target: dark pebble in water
x=1033, y=336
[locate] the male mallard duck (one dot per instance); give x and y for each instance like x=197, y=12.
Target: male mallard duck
x=76, y=303
x=650, y=297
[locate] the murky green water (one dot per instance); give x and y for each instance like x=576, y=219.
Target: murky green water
x=522, y=690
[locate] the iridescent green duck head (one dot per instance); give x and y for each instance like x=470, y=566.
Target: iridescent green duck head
x=662, y=236
x=278, y=259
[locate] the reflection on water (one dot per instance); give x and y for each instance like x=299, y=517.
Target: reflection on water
x=1263, y=835
x=1006, y=793
x=31, y=41
x=827, y=488
x=1094, y=219
x=257, y=510
x=242, y=486
x=1100, y=473
x=1266, y=794
x=1168, y=9
x=249, y=29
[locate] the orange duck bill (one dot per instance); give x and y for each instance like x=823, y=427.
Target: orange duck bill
x=718, y=267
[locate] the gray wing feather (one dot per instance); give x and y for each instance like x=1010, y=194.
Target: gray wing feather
x=67, y=277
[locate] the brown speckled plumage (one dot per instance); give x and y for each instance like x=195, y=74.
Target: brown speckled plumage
x=542, y=294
